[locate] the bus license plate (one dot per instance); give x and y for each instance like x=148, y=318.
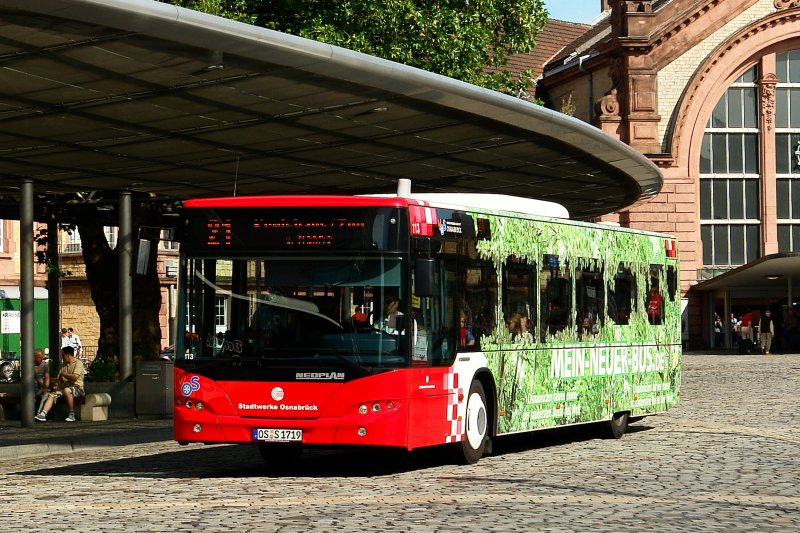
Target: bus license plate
x=278, y=435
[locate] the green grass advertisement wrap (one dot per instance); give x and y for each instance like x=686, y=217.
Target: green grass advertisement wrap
x=548, y=380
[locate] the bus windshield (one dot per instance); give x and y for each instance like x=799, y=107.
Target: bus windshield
x=288, y=310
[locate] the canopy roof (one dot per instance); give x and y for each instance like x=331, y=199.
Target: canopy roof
x=779, y=269
x=144, y=96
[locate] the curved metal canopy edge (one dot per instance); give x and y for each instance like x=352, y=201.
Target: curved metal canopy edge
x=145, y=96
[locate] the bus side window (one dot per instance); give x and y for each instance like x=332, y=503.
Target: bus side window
x=621, y=295
x=442, y=351
x=556, y=295
x=672, y=282
x=479, y=303
x=654, y=302
x=519, y=298
x=589, y=298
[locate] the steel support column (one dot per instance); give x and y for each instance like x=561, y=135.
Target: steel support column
x=125, y=247
x=27, y=382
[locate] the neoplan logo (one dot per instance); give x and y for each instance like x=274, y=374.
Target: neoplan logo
x=331, y=376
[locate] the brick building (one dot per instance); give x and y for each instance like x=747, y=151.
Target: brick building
x=709, y=90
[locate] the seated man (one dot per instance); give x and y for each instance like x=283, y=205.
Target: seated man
x=41, y=375
x=71, y=379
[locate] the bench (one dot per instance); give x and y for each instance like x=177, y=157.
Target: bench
x=91, y=407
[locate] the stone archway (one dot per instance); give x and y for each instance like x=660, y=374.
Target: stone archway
x=775, y=33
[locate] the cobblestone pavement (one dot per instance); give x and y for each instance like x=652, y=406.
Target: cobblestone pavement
x=726, y=459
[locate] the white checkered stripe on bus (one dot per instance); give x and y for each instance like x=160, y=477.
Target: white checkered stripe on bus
x=455, y=408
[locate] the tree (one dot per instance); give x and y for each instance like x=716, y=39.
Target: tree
x=469, y=40
x=102, y=274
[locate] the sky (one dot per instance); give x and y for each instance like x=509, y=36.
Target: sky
x=573, y=10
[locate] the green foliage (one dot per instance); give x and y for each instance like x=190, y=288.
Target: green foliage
x=103, y=369
x=42, y=240
x=455, y=38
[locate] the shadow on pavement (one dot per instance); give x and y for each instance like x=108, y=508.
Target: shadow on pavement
x=198, y=461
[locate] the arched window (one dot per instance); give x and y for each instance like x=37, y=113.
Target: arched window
x=730, y=181
x=787, y=150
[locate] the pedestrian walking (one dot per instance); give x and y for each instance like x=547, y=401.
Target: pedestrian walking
x=734, y=322
x=718, y=334
x=766, y=330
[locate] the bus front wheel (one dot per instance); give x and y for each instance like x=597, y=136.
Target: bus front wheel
x=618, y=425
x=471, y=449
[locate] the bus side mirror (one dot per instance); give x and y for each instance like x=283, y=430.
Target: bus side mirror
x=424, y=276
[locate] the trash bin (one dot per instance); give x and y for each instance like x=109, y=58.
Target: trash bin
x=154, y=389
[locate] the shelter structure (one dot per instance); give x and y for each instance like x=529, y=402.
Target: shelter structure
x=129, y=96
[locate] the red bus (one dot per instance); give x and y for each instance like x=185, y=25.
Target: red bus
x=415, y=321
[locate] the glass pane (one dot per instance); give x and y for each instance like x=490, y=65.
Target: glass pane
x=721, y=245
x=719, y=193
x=751, y=153
x=794, y=148
x=782, y=108
x=705, y=236
x=750, y=111
x=784, y=236
x=795, y=238
x=794, y=66
x=782, y=198
x=781, y=66
x=795, y=186
x=752, y=243
x=718, y=115
x=736, y=191
x=705, y=155
x=750, y=75
x=719, y=154
x=782, y=157
x=751, y=199
x=794, y=108
x=735, y=155
x=705, y=199
x=737, y=245
x=735, y=108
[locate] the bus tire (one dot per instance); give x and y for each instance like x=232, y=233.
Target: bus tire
x=618, y=425
x=476, y=430
x=280, y=457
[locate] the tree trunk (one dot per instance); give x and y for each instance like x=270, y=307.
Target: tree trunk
x=102, y=268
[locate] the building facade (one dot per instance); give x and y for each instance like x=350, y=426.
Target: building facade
x=77, y=309
x=710, y=91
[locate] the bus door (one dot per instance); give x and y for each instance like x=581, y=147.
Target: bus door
x=433, y=349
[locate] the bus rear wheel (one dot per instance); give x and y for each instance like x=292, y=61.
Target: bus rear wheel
x=471, y=449
x=617, y=426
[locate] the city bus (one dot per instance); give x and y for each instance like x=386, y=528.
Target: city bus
x=411, y=321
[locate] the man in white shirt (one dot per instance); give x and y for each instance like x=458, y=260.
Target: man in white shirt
x=65, y=341
x=74, y=341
